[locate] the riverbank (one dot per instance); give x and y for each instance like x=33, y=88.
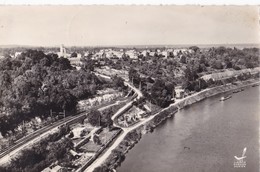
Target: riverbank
x=114, y=160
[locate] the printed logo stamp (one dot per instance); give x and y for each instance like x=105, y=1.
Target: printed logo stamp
x=240, y=162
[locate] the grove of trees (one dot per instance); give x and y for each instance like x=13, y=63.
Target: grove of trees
x=34, y=83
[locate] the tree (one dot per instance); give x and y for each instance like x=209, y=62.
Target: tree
x=6, y=63
x=134, y=76
x=190, y=74
x=183, y=59
x=34, y=83
x=28, y=158
x=58, y=149
x=249, y=64
x=103, y=168
x=210, y=82
x=94, y=117
x=220, y=50
x=161, y=94
x=74, y=55
x=96, y=140
x=202, y=59
x=202, y=83
x=120, y=156
x=125, y=57
x=229, y=64
x=4, y=169
x=236, y=67
x=106, y=120
x=194, y=48
x=217, y=65
x=118, y=82
x=189, y=85
x=87, y=64
x=5, y=79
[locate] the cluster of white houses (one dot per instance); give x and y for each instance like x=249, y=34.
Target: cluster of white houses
x=118, y=54
x=115, y=53
x=110, y=53
x=134, y=54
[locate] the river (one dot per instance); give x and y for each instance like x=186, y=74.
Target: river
x=202, y=137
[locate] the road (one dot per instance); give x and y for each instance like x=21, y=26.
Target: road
x=100, y=160
x=139, y=93
x=122, y=109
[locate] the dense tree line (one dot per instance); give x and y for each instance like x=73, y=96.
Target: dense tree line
x=191, y=80
x=201, y=60
x=222, y=57
x=159, y=92
x=34, y=83
x=185, y=69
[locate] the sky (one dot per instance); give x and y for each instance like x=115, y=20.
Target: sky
x=128, y=25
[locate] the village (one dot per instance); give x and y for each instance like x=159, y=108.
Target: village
x=131, y=97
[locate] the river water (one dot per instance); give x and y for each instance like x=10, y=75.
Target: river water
x=202, y=137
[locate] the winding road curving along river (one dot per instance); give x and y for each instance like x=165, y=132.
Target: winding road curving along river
x=203, y=137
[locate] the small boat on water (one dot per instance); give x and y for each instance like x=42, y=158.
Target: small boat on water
x=223, y=98
x=255, y=85
x=236, y=91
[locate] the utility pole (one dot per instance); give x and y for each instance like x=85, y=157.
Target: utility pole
x=99, y=120
x=23, y=126
x=64, y=112
x=51, y=113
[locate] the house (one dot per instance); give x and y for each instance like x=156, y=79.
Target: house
x=17, y=54
x=76, y=62
x=164, y=54
x=75, y=154
x=86, y=54
x=179, y=93
x=152, y=53
x=132, y=54
x=79, y=132
x=56, y=168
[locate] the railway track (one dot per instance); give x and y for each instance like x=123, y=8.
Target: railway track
x=83, y=114
x=66, y=121
x=37, y=133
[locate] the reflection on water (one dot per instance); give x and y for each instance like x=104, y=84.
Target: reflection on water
x=203, y=137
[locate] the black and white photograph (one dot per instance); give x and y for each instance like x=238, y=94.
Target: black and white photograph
x=129, y=88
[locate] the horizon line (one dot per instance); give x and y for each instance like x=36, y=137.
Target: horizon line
x=125, y=45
